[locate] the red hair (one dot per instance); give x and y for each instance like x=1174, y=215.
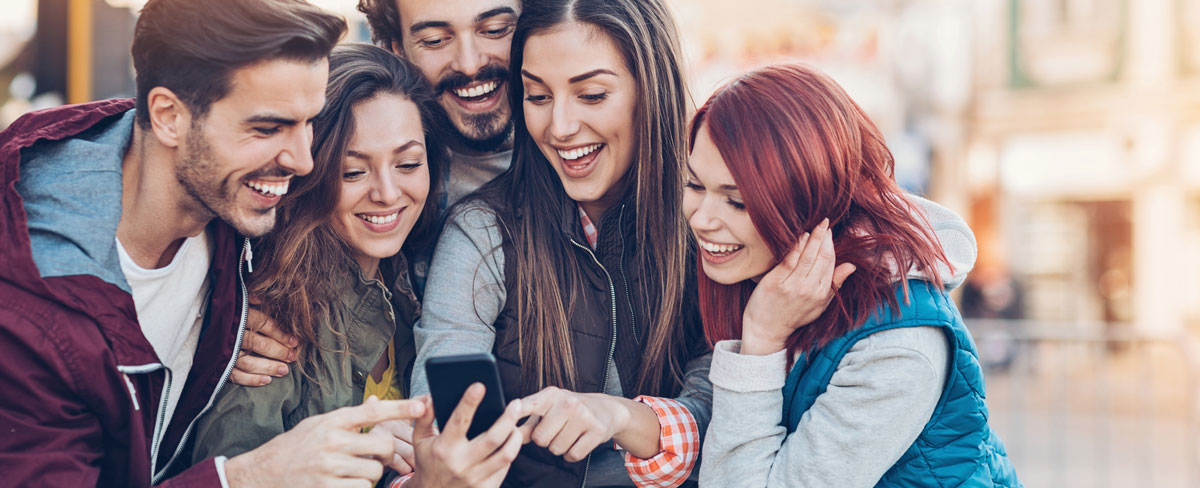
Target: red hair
x=801, y=150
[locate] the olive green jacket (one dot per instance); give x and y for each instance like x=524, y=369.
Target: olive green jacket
x=365, y=317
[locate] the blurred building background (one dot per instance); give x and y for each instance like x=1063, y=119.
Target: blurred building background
x=1067, y=132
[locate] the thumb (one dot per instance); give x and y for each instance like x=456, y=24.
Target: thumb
x=842, y=272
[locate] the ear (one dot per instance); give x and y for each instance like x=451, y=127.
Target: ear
x=170, y=118
x=398, y=48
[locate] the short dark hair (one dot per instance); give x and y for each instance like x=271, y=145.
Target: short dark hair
x=192, y=48
x=384, y=19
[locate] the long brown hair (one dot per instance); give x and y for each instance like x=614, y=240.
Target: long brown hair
x=300, y=262
x=527, y=198
x=801, y=150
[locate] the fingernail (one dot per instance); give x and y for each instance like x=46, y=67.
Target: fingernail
x=265, y=381
x=825, y=223
x=416, y=409
x=515, y=405
x=292, y=356
x=294, y=342
x=477, y=389
x=281, y=370
x=805, y=236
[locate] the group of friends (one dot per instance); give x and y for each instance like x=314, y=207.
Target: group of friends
x=236, y=278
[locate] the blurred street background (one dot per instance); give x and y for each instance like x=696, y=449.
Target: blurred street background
x=1067, y=132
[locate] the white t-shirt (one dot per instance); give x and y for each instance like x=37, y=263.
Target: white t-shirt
x=170, y=304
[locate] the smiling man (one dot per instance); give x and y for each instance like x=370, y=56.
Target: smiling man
x=462, y=48
x=122, y=300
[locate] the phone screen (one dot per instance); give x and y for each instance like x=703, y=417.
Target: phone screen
x=449, y=377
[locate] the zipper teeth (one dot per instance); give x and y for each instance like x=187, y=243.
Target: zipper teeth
x=612, y=347
x=159, y=428
x=628, y=299
x=237, y=346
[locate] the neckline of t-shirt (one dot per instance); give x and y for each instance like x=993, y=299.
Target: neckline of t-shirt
x=127, y=260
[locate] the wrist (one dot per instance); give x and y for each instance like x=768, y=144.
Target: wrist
x=238, y=472
x=755, y=342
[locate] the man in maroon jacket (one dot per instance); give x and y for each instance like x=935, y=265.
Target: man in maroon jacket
x=124, y=226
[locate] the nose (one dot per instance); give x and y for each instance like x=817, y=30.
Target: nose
x=469, y=59
x=563, y=122
x=296, y=155
x=385, y=188
x=700, y=217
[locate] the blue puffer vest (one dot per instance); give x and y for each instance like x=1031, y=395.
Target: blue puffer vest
x=957, y=447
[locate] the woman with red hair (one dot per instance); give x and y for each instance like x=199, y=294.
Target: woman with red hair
x=841, y=369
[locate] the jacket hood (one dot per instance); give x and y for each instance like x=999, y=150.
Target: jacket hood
x=956, y=239
x=72, y=194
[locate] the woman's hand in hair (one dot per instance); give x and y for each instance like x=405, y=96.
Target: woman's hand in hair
x=266, y=350
x=794, y=293
x=449, y=459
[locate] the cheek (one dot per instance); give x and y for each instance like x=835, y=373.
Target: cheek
x=691, y=203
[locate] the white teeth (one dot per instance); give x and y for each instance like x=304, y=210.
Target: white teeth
x=269, y=189
x=380, y=219
x=478, y=91
x=718, y=248
x=578, y=152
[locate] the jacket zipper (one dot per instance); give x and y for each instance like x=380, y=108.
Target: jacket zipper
x=237, y=346
x=628, y=299
x=612, y=348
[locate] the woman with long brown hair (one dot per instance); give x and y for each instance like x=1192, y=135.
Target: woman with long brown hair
x=847, y=368
x=572, y=267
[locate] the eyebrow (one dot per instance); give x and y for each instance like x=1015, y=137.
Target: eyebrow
x=574, y=79
x=494, y=12
x=404, y=147
x=441, y=24
x=272, y=119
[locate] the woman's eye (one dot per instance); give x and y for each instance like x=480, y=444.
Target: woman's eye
x=736, y=204
x=594, y=97
x=353, y=175
x=410, y=166
x=691, y=185
x=537, y=99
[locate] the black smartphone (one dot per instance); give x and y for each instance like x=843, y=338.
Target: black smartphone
x=449, y=377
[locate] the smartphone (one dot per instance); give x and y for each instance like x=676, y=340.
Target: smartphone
x=449, y=377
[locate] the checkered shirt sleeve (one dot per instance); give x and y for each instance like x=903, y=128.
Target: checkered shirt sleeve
x=680, y=441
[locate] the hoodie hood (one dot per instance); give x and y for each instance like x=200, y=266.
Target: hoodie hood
x=72, y=194
x=956, y=239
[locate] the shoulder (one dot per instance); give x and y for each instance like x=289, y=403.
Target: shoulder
x=916, y=350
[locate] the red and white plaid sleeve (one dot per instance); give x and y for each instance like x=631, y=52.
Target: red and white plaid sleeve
x=398, y=482
x=679, y=437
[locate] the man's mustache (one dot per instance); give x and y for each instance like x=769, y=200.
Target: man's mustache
x=456, y=80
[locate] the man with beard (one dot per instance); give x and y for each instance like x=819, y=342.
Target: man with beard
x=462, y=48
x=121, y=294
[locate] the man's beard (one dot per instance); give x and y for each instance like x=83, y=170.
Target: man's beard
x=483, y=132
x=217, y=198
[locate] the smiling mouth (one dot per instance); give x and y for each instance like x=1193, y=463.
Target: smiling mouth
x=477, y=93
x=269, y=189
x=720, y=250
x=379, y=219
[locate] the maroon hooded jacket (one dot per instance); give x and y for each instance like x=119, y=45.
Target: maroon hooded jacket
x=81, y=389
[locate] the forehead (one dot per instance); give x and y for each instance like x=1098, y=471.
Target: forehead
x=384, y=122
x=570, y=49
x=280, y=88
x=454, y=12
x=706, y=162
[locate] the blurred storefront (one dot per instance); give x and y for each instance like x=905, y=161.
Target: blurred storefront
x=1084, y=155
